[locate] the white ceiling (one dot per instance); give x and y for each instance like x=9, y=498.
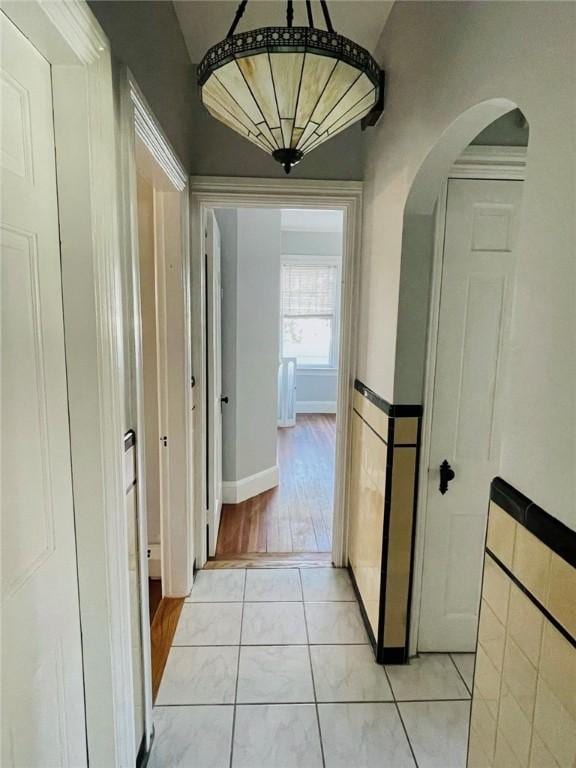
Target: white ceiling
x=206, y=22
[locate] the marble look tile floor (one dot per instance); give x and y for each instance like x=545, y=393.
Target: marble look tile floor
x=273, y=669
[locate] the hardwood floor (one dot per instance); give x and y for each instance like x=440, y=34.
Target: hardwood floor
x=271, y=560
x=161, y=636
x=296, y=516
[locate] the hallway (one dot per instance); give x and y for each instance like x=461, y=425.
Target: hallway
x=272, y=669
x=296, y=516
x=221, y=224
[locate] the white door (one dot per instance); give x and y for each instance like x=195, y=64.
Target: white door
x=172, y=391
x=477, y=278
x=43, y=722
x=214, y=378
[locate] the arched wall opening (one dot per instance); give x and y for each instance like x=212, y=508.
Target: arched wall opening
x=456, y=291
x=418, y=241
x=404, y=418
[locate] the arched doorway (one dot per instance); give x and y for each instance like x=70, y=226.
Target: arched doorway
x=458, y=266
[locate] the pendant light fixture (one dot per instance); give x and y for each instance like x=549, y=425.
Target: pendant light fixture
x=289, y=89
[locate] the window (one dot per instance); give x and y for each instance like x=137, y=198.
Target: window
x=309, y=296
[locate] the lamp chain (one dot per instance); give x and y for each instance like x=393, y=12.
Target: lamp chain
x=289, y=15
x=327, y=18
x=239, y=13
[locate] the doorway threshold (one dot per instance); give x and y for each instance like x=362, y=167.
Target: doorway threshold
x=271, y=560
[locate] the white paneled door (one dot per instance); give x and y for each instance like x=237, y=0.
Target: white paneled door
x=43, y=723
x=475, y=299
x=214, y=377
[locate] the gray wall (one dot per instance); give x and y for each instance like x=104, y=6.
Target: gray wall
x=301, y=243
x=510, y=130
x=415, y=286
x=250, y=339
x=316, y=387
x=145, y=35
x=257, y=340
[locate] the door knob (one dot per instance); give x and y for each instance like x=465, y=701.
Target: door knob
x=224, y=399
x=446, y=475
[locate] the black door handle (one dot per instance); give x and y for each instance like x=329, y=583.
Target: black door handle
x=446, y=475
x=224, y=399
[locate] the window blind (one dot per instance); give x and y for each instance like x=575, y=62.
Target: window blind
x=309, y=290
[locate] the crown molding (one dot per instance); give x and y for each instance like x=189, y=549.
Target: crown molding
x=149, y=131
x=227, y=189
x=490, y=162
x=78, y=27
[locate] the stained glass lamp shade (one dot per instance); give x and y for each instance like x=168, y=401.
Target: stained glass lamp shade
x=289, y=89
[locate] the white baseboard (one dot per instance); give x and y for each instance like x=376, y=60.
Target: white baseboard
x=316, y=406
x=235, y=491
x=154, y=563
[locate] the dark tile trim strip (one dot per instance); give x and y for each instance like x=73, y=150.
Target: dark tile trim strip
x=129, y=439
x=384, y=405
x=370, y=427
x=385, y=542
x=143, y=754
x=379, y=436
x=555, y=623
x=550, y=531
x=363, y=613
x=413, y=534
x=394, y=655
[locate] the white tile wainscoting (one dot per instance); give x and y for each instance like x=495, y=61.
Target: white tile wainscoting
x=273, y=669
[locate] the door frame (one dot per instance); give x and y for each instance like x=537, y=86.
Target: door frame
x=211, y=409
x=176, y=525
x=68, y=36
x=207, y=192
x=476, y=162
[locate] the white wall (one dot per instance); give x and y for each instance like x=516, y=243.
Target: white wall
x=443, y=59
x=251, y=285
